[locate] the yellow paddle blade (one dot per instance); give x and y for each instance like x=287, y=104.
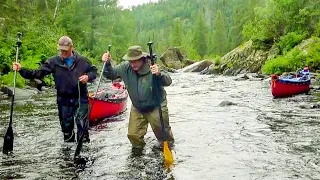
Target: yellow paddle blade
x=168, y=157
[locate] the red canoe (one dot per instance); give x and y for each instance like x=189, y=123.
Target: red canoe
x=289, y=86
x=108, y=102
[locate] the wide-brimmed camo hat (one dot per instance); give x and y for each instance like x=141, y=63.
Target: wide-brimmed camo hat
x=134, y=53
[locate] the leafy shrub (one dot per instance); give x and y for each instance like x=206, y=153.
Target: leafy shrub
x=296, y=59
x=317, y=31
x=217, y=60
x=289, y=41
x=8, y=80
x=292, y=61
x=192, y=54
x=313, y=57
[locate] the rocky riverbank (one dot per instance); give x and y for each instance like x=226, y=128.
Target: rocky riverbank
x=21, y=93
x=246, y=58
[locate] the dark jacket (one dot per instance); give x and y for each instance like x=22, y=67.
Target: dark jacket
x=66, y=79
x=138, y=84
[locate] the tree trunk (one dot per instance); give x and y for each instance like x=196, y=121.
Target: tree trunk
x=56, y=9
x=46, y=3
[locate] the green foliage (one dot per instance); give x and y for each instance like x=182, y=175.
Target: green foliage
x=212, y=57
x=200, y=38
x=230, y=65
x=289, y=41
x=193, y=54
x=170, y=66
x=217, y=60
x=176, y=35
x=292, y=61
x=295, y=59
x=219, y=44
x=313, y=57
x=280, y=17
x=8, y=80
x=208, y=27
x=243, y=12
x=317, y=31
x=6, y=54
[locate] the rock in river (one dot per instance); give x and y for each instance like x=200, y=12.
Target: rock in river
x=19, y=93
x=197, y=66
x=172, y=58
x=227, y=103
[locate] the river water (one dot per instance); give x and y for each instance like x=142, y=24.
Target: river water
x=256, y=137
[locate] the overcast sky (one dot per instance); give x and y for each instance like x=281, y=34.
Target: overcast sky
x=128, y=3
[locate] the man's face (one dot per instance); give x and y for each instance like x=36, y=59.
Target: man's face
x=66, y=53
x=136, y=64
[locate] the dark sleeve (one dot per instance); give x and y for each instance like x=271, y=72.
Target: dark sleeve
x=45, y=69
x=165, y=79
x=91, y=72
x=113, y=73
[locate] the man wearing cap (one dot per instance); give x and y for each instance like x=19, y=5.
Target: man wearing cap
x=71, y=72
x=137, y=72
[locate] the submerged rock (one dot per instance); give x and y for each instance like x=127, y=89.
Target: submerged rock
x=305, y=106
x=310, y=105
x=316, y=105
x=227, y=103
x=256, y=77
x=250, y=76
x=4, y=96
x=241, y=77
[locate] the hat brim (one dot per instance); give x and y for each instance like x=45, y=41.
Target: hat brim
x=64, y=48
x=126, y=57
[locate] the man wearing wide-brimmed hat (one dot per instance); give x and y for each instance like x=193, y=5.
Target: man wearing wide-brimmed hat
x=136, y=71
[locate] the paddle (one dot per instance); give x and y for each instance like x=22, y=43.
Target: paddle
x=8, y=138
x=80, y=142
x=168, y=157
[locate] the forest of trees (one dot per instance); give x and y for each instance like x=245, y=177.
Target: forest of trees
x=200, y=28
x=207, y=27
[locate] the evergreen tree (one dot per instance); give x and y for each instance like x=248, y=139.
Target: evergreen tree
x=176, y=34
x=219, y=44
x=200, y=37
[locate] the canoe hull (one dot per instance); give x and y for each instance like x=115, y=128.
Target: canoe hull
x=112, y=106
x=104, y=109
x=286, y=88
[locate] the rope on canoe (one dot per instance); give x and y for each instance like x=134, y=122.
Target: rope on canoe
x=109, y=94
